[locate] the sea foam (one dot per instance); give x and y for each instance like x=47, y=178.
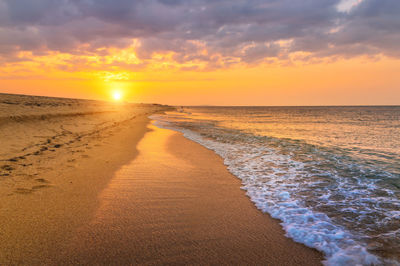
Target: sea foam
x=273, y=181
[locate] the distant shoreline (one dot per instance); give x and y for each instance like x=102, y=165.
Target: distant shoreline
x=211, y=106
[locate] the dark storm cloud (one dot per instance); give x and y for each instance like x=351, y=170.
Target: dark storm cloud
x=248, y=30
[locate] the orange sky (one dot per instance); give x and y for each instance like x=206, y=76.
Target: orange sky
x=355, y=81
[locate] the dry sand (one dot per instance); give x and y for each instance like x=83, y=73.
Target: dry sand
x=56, y=155
x=84, y=187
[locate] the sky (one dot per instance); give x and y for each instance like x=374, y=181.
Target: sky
x=204, y=52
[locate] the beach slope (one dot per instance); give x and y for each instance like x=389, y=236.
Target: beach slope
x=176, y=203
x=56, y=156
x=86, y=182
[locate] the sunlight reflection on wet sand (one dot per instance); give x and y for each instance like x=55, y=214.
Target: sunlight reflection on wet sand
x=177, y=203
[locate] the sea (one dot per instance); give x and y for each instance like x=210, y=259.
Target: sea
x=330, y=175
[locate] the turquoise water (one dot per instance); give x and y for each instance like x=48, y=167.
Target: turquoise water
x=330, y=174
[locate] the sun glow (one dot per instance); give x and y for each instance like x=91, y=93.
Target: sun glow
x=117, y=96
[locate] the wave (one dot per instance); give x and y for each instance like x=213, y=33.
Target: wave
x=325, y=199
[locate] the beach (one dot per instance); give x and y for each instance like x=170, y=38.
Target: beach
x=118, y=190
x=199, y=132
x=56, y=156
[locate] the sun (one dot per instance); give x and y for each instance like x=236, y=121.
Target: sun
x=117, y=96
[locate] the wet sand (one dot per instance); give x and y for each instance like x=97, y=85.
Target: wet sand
x=176, y=203
x=86, y=182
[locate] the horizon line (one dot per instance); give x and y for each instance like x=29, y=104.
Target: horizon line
x=209, y=105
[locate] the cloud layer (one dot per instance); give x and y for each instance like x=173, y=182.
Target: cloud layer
x=207, y=33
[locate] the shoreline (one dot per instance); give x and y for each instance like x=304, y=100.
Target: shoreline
x=109, y=187
x=176, y=203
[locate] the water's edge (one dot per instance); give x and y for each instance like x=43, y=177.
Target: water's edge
x=313, y=229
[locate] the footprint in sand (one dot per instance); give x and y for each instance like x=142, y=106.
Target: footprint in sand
x=42, y=180
x=7, y=167
x=23, y=190
x=44, y=149
x=36, y=187
x=33, y=189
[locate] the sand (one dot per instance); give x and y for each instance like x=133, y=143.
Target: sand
x=120, y=191
x=56, y=156
x=176, y=203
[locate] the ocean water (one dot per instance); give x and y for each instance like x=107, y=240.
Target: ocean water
x=331, y=175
